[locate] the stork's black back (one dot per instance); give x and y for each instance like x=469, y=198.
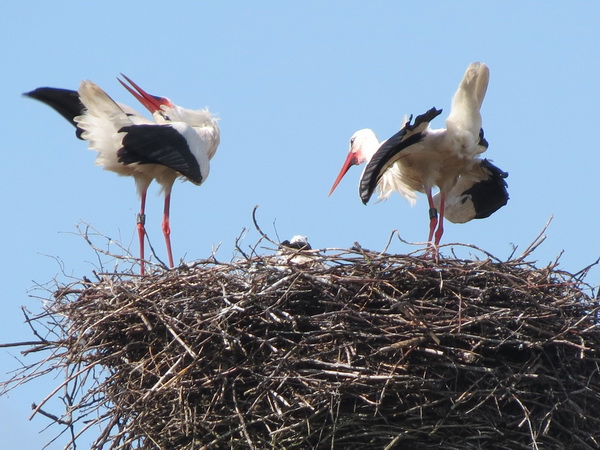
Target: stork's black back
x=63, y=101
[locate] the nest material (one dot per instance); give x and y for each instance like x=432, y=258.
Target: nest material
x=334, y=350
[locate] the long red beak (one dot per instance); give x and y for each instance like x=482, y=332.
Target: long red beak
x=151, y=102
x=351, y=160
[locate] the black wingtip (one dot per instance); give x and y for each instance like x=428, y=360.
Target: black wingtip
x=426, y=117
x=489, y=195
x=64, y=101
x=388, y=153
x=482, y=140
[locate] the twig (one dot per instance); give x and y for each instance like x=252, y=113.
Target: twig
x=540, y=238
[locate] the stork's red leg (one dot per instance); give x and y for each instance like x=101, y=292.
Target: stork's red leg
x=141, y=220
x=433, y=216
x=167, y=228
x=440, y=228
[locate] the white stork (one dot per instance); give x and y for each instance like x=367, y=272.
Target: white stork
x=179, y=143
x=418, y=158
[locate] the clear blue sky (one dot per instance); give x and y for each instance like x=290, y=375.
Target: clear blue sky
x=291, y=83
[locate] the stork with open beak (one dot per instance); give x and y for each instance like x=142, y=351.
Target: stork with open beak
x=179, y=143
x=418, y=158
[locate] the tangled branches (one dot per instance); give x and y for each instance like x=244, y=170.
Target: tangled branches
x=330, y=349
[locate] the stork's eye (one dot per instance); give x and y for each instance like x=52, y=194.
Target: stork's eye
x=352, y=140
x=165, y=116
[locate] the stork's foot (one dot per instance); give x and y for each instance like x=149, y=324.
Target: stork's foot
x=432, y=252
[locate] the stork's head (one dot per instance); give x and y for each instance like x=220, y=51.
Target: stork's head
x=363, y=145
x=158, y=106
x=165, y=111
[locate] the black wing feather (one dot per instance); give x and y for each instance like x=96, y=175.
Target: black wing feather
x=482, y=140
x=489, y=195
x=159, y=144
x=63, y=101
x=388, y=153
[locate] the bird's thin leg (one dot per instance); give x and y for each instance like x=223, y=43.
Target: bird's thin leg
x=433, y=216
x=440, y=228
x=167, y=228
x=141, y=220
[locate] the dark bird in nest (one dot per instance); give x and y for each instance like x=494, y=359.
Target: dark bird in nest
x=297, y=242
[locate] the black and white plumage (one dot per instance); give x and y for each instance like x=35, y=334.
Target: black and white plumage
x=178, y=143
x=297, y=242
x=418, y=158
x=297, y=251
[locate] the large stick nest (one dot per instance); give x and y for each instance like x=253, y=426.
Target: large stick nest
x=338, y=349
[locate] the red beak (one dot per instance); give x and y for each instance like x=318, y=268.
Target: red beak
x=151, y=102
x=351, y=160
